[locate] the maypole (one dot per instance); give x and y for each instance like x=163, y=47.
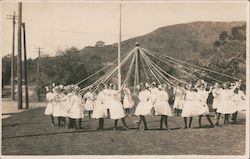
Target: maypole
x=138, y=64
x=119, y=52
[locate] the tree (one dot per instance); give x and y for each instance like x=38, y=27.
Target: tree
x=6, y=70
x=224, y=36
x=238, y=33
x=217, y=43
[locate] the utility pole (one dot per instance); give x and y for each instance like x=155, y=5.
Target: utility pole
x=38, y=74
x=13, y=18
x=25, y=68
x=19, y=58
x=119, y=53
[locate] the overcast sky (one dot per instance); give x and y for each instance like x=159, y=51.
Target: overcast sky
x=61, y=25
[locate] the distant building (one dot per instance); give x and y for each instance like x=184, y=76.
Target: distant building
x=100, y=43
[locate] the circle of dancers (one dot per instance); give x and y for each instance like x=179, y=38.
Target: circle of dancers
x=68, y=104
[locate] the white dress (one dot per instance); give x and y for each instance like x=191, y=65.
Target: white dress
x=127, y=101
x=116, y=108
x=68, y=100
x=161, y=105
x=227, y=105
x=89, y=105
x=203, y=96
x=239, y=101
x=178, y=101
x=99, y=108
x=216, y=100
x=60, y=105
x=145, y=105
x=76, y=109
x=154, y=94
x=107, y=93
x=192, y=105
x=50, y=106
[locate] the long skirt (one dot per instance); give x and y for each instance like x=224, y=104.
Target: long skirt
x=116, y=110
x=89, y=105
x=99, y=110
x=216, y=103
x=127, y=103
x=49, y=109
x=178, y=103
x=76, y=112
x=144, y=108
x=227, y=107
x=193, y=108
x=241, y=105
x=107, y=102
x=162, y=108
x=60, y=109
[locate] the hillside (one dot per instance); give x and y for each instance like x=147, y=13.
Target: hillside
x=197, y=42
x=179, y=41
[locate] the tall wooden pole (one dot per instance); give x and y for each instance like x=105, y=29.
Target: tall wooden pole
x=119, y=51
x=13, y=60
x=19, y=58
x=38, y=74
x=25, y=68
x=138, y=64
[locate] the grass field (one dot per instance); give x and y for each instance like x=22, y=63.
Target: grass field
x=30, y=133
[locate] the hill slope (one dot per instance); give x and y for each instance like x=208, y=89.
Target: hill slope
x=217, y=45
x=178, y=41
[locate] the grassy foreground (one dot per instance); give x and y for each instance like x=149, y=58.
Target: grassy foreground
x=30, y=133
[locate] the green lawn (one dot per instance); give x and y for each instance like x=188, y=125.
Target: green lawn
x=30, y=132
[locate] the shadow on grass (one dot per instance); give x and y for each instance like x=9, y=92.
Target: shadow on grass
x=17, y=124
x=54, y=133
x=73, y=131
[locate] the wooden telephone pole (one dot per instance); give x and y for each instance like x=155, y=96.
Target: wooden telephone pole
x=25, y=68
x=38, y=74
x=19, y=58
x=13, y=18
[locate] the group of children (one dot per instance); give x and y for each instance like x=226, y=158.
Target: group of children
x=68, y=104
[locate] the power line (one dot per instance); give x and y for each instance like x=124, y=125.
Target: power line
x=81, y=32
x=109, y=34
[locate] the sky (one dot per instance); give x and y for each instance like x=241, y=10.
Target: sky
x=61, y=25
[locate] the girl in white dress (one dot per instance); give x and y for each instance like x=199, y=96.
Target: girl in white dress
x=89, y=101
x=226, y=106
x=144, y=107
x=76, y=108
x=100, y=111
x=179, y=93
x=154, y=91
x=69, y=94
x=162, y=107
x=154, y=94
x=50, y=106
x=239, y=100
x=190, y=106
x=64, y=100
x=116, y=108
x=60, y=107
x=216, y=100
x=128, y=102
x=107, y=92
x=203, y=96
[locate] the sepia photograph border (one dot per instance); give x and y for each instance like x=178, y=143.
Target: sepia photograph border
x=247, y=142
